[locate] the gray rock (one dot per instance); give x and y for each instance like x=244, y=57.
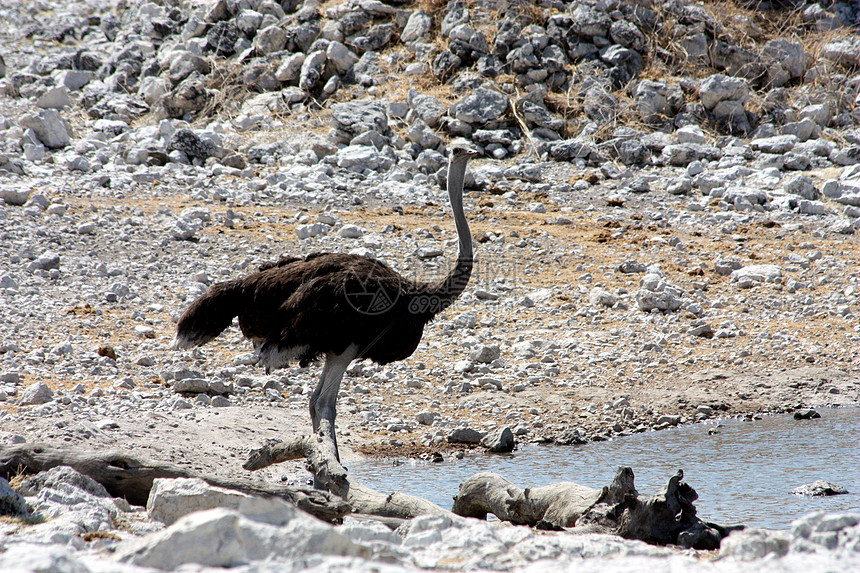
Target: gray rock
x=9, y=282
x=718, y=88
x=732, y=115
x=683, y=154
x=631, y=266
x=805, y=207
x=802, y=130
x=373, y=39
x=464, y=436
x=679, y=185
x=419, y=23
x=819, y=488
x=11, y=502
x=312, y=230
x=62, y=477
x=42, y=557
x=360, y=158
x=425, y=253
x=541, y=116
x=171, y=499
x=648, y=300
x=691, y=134
x=725, y=267
x=806, y=414
x=588, y=22
x=775, y=144
x=248, y=21
x=290, y=68
x=803, y=186
x=193, y=145
x=185, y=229
x=269, y=40
x=570, y=437
x=227, y=538
x=632, y=152
x=480, y=107
x=704, y=330
x=456, y=14
x=36, y=393
x=822, y=114
x=657, y=100
x=183, y=63
x=831, y=531
x=785, y=61
x=600, y=297
x=752, y=275
x=55, y=98
x=752, y=544
x=50, y=128
x=14, y=195
x=313, y=68
x=844, y=51
x=499, y=440
x=846, y=156
x=569, y=149
x=341, y=57
x=356, y=117
x=199, y=385
x=421, y=134
x=153, y=88
x=426, y=107
x=485, y=353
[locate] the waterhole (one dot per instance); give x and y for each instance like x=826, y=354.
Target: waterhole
x=743, y=471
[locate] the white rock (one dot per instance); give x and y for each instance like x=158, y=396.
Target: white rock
x=36, y=393
x=601, y=297
x=55, y=98
x=225, y=538
x=312, y=230
x=51, y=129
x=648, y=300
x=351, y=231
x=171, y=499
x=753, y=274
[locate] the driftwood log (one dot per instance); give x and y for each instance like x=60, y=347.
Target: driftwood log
x=663, y=519
x=131, y=478
x=319, y=451
x=666, y=518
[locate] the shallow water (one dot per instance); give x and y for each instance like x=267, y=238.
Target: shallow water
x=743, y=474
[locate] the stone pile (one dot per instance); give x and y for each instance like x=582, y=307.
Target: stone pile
x=171, y=60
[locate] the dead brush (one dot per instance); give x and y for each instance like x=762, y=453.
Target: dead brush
x=529, y=10
x=229, y=90
x=666, y=55
x=750, y=25
x=568, y=107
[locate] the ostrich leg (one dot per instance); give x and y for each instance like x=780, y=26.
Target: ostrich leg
x=324, y=398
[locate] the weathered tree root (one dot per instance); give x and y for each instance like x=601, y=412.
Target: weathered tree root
x=319, y=450
x=663, y=519
x=131, y=478
x=666, y=518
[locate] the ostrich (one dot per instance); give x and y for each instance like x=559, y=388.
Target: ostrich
x=340, y=307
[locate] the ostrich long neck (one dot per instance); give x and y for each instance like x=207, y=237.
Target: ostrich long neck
x=449, y=288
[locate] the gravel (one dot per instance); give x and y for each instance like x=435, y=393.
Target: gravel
x=626, y=281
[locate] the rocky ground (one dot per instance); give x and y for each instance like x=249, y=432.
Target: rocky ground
x=664, y=214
